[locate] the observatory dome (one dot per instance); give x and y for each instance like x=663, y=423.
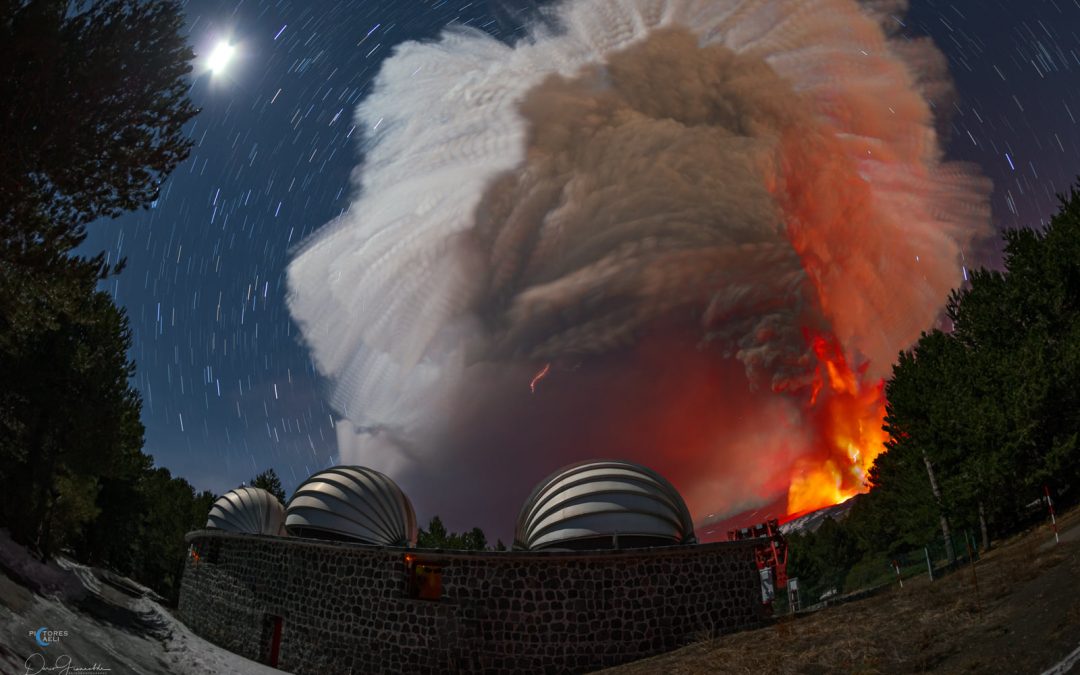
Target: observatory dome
x=603, y=504
x=352, y=503
x=249, y=510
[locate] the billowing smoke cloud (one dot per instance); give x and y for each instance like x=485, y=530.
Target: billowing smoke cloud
x=660, y=202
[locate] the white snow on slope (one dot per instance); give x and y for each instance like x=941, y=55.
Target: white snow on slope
x=106, y=627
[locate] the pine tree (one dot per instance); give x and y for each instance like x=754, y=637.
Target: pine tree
x=93, y=99
x=268, y=480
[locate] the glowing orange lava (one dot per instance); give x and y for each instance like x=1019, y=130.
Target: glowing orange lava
x=849, y=413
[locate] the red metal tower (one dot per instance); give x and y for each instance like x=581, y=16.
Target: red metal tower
x=771, y=551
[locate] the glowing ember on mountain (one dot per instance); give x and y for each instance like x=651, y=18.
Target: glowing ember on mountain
x=539, y=376
x=849, y=412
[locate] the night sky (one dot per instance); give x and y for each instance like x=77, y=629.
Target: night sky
x=228, y=390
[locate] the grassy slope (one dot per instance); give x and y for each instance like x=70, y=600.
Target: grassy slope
x=1025, y=619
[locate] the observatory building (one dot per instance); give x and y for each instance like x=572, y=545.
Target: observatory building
x=597, y=505
x=605, y=570
x=247, y=510
x=352, y=503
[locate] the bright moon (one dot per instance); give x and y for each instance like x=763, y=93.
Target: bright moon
x=220, y=57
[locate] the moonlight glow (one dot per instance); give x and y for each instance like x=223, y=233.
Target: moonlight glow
x=220, y=57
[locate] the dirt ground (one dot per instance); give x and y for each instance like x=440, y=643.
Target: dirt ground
x=1025, y=618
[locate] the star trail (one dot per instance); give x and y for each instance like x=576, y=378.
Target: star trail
x=229, y=390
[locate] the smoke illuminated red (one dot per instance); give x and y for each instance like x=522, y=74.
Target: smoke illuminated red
x=848, y=411
x=847, y=408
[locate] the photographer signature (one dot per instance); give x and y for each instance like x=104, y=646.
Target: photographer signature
x=35, y=663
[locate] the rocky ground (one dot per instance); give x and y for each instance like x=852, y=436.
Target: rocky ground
x=1024, y=617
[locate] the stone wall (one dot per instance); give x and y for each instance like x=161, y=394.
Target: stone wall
x=347, y=608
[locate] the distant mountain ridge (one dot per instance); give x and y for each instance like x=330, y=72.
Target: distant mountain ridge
x=810, y=522
x=802, y=524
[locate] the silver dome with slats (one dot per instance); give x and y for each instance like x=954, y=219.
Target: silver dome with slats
x=603, y=504
x=249, y=510
x=352, y=503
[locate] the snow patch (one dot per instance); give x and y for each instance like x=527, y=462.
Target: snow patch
x=48, y=579
x=189, y=654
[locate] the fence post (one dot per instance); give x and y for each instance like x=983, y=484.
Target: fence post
x=929, y=567
x=1053, y=519
x=896, y=566
x=974, y=576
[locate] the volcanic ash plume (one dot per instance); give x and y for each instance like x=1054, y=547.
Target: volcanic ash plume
x=695, y=219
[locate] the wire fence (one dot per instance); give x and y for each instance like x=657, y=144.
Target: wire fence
x=875, y=574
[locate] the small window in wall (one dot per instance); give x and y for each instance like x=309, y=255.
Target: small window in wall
x=423, y=578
